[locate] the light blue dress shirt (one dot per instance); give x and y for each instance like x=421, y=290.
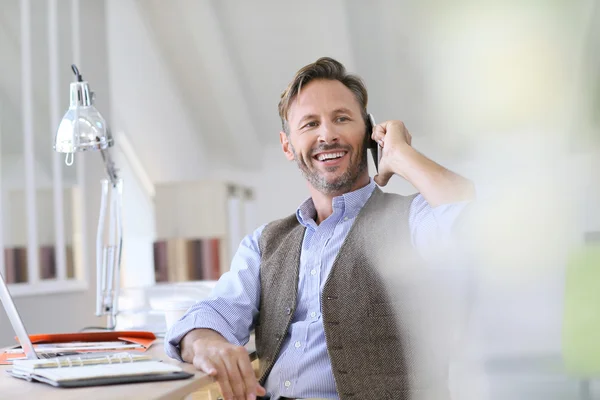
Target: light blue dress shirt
x=303, y=369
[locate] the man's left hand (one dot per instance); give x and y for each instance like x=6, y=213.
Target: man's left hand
x=395, y=140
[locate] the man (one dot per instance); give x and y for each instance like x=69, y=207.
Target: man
x=313, y=285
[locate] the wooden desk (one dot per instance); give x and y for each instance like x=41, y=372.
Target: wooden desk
x=13, y=388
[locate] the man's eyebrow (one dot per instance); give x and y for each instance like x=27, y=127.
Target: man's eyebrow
x=342, y=110
x=306, y=117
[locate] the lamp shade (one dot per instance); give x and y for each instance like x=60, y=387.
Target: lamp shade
x=82, y=128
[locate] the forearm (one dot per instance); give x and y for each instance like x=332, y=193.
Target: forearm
x=437, y=184
x=187, y=343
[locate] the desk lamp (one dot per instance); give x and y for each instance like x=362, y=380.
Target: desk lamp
x=84, y=129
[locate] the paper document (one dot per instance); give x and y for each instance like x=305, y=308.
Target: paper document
x=79, y=346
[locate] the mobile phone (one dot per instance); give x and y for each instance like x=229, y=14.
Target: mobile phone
x=373, y=145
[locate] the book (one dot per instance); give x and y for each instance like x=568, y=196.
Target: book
x=182, y=260
x=211, y=263
x=93, y=370
x=161, y=261
x=47, y=261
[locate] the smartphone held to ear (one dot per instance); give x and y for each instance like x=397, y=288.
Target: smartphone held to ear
x=373, y=145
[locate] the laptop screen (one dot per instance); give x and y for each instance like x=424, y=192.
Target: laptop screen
x=15, y=320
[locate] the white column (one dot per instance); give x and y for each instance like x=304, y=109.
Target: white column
x=2, y=213
x=250, y=213
x=28, y=150
x=54, y=104
x=81, y=265
x=234, y=219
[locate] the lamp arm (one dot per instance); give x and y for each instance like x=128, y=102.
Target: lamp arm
x=109, y=164
x=109, y=243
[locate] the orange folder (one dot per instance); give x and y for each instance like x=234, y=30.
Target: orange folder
x=138, y=337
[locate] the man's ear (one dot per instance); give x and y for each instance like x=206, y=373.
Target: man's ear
x=286, y=146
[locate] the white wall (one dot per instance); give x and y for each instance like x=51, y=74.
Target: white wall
x=145, y=103
x=139, y=228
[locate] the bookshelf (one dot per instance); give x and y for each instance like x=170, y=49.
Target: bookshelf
x=198, y=228
x=57, y=267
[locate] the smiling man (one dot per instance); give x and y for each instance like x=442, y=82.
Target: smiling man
x=313, y=285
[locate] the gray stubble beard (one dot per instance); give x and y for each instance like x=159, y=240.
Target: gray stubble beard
x=342, y=184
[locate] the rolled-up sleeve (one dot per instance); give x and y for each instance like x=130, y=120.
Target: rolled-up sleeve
x=432, y=227
x=233, y=304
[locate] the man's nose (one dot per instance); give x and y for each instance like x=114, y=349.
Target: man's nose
x=328, y=133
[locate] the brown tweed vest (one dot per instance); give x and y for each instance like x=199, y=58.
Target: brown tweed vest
x=370, y=357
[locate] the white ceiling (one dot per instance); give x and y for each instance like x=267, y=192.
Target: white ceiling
x=448, y=69
x=233, y=59
x=422, y=60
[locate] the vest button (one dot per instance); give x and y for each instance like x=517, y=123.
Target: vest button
x=278, y=337
x=288, y=311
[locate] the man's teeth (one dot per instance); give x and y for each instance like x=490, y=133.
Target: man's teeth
x=329, y=156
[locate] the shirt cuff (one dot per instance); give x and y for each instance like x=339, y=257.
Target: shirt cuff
x=195, y=321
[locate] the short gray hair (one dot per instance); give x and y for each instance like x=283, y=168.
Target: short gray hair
x=323, y=68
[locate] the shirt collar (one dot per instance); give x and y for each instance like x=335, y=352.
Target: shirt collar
x=349, y=204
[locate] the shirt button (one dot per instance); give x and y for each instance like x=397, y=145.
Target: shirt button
x=297, y=344
x=345, y=218
x=313, y=314
x=313, y=272
x=287, y=384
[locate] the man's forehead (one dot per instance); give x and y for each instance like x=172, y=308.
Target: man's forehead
x=323, y=97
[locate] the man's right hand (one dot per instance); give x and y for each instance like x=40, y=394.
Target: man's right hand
x=228, y=364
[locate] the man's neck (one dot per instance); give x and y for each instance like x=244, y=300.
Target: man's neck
x=323, y=202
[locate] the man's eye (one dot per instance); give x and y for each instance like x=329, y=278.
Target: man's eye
x=311, y=124
x=343, y=119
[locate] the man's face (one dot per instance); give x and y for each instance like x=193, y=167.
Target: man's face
x=327, y=136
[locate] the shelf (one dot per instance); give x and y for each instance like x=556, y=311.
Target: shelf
x=46, y=287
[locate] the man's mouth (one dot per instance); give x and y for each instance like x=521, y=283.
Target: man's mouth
x=330, y=156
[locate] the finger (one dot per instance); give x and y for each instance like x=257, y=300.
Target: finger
x=223, y=379
x=248, y=376
x=235, y=378
x=387, y=125
x=202, y=364
x=383, y=178
x=378, y=134
x=261, y=391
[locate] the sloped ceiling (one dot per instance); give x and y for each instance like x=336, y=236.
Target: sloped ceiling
x=233, y=59
x=423, y=62
x=432, y=64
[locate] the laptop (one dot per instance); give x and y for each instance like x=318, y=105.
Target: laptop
x=126, y=372
x=17, y=324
